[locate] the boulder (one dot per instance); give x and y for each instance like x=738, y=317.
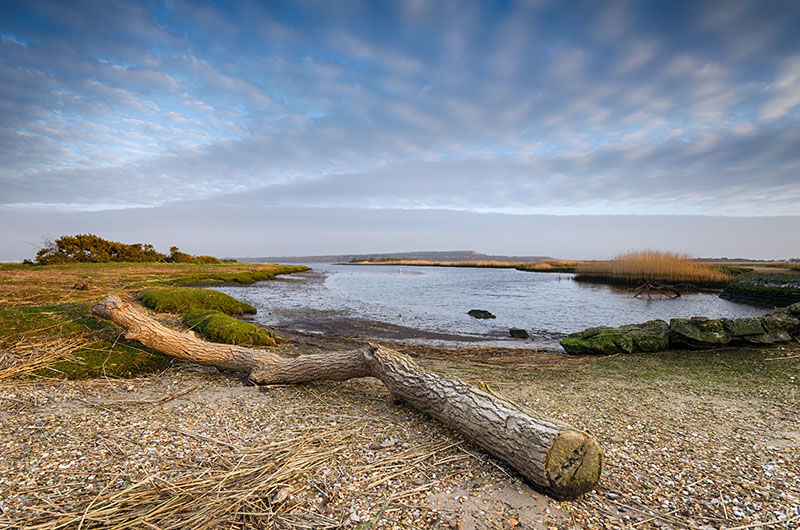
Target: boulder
x=480, y=313
x=650, y=336
x=601, y=340
x=518, y=333
x=698, y=333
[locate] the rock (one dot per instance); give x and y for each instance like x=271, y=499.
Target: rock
x=697, y=333
x=651, y=336
x=518, y=333
x=765, y=330
x=779, y=327
x=601, y=340
x=480, y=313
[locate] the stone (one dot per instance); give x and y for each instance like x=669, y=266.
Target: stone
x=651, y=336
x=697, y=333
x=597, y=341
x=518, y=333
x=480, y=313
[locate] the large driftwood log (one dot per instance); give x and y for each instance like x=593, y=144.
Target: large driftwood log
x=556, y=458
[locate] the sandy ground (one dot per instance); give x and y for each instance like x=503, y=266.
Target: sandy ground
x=194, y=447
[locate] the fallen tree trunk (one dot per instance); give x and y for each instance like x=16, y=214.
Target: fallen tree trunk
x=556, y=458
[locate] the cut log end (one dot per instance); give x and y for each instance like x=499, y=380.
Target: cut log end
x=574, y=463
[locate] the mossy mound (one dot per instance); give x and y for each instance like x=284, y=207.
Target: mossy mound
x=182, y=299
x=219, y=327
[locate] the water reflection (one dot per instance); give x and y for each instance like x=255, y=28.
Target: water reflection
x=436, y=299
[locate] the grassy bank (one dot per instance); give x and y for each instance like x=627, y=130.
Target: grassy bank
x=45, y=326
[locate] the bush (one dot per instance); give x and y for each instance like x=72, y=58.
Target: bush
x=176, y=256
x=219, y=327
x=182, y=299
x=89, y=248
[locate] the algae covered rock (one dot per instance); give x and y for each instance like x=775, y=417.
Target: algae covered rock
x=650, y=336
x=480, y=313
x=698, y=333
x=601, y=340
x=518, y=333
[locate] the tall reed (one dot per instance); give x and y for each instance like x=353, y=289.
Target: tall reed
x=653, y=266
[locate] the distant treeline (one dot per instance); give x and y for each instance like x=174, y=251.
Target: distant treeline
x=89, y=248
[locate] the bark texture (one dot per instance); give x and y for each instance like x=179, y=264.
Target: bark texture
x=555, y=457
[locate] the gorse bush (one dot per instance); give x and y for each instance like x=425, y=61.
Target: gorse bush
x=653, y=266
x=89, y=248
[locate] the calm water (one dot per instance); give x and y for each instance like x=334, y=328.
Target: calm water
x=436, y=299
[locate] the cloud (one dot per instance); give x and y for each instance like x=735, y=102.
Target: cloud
x=530, y=107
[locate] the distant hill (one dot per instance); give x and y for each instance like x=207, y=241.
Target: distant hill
x=447, y=255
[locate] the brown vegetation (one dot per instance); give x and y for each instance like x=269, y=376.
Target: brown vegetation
x=653, y=266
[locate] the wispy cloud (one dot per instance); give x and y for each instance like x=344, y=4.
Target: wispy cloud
x=527, y=107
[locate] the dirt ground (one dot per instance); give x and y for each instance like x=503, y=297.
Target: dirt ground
x=691, y=440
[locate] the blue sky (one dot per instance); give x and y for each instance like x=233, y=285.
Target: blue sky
x=517, y=109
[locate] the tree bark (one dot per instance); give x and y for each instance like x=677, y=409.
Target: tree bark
x=553, y=456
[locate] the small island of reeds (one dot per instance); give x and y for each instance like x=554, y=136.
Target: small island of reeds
x=632, y=269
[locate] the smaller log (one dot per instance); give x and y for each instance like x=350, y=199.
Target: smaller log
x=553, y=456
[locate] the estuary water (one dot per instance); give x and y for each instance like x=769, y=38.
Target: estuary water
x=431, y=303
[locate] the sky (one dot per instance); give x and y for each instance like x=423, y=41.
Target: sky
x=253, y=128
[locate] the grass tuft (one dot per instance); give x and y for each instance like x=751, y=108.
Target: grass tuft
x=182, y=299
x=219, y=327
x=652, y=266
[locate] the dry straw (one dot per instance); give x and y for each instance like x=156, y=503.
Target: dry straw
x=654, y=266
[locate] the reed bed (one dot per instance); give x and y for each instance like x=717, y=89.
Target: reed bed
x=653, y=267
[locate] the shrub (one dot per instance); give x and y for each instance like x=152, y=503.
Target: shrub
x=89, y=248
x=182, y=299
x=219, y=327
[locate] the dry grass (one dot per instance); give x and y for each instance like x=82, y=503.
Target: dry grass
x=28, y=356
x=653, y=266
x=56, y=284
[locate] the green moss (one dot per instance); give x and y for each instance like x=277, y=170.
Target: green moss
x=182, y=299
x=600, y=340
x=219, y=327
x=100, y=349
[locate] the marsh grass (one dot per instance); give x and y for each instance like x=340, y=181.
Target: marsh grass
x=182, y=299
x=654, y=267
x=219, y=327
